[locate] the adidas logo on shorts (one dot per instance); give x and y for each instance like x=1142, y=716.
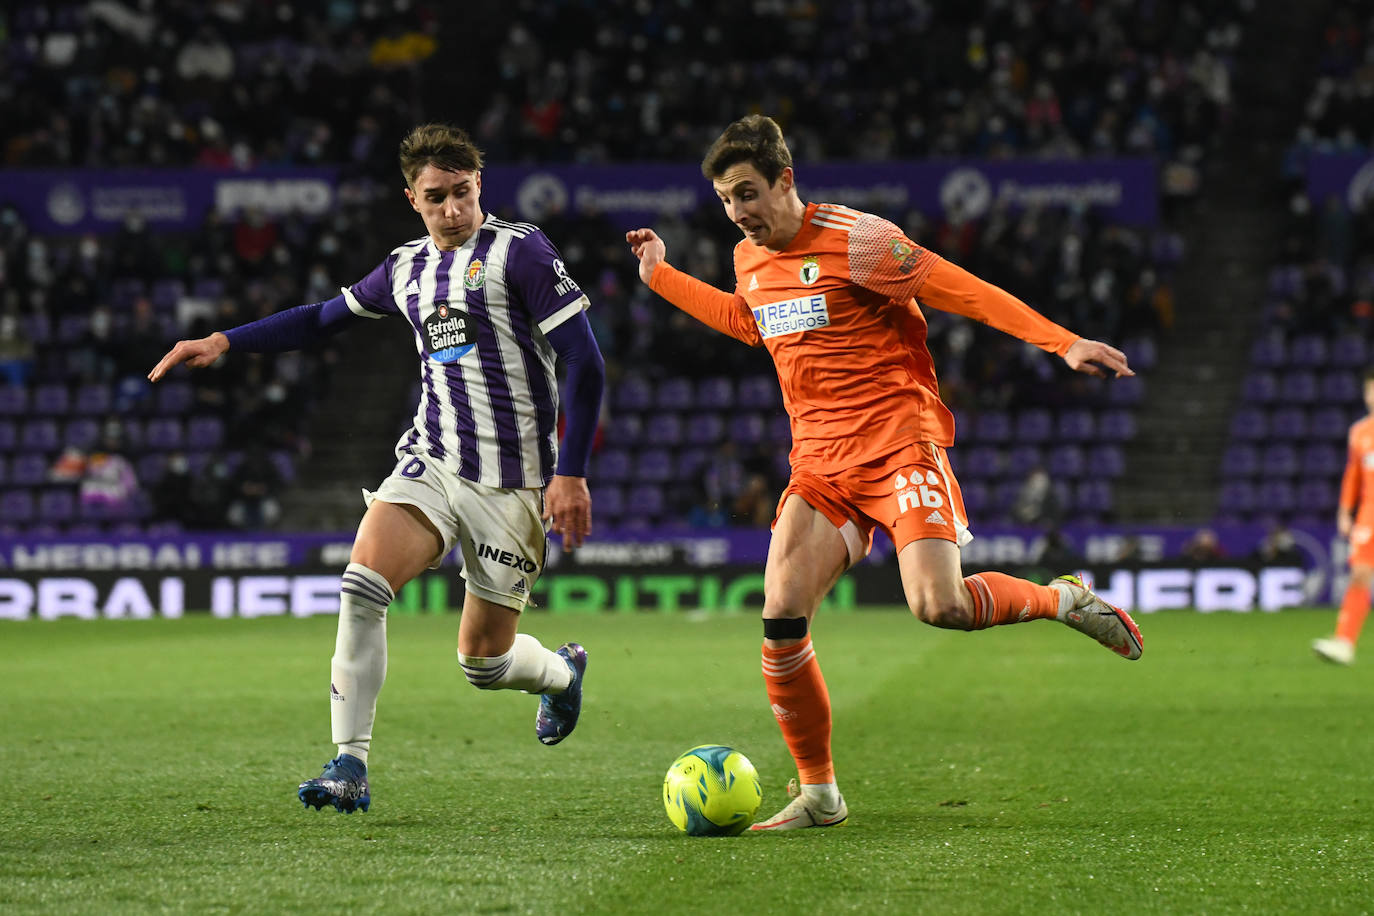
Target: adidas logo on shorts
x=935, y=518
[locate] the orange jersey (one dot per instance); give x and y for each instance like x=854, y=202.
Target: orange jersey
x=1357, y=484
x=837, y=310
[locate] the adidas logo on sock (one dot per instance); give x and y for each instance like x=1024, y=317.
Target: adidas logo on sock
x=935, y=518
x=334, y=693
x=781, y=714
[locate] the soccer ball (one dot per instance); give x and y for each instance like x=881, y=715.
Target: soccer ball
x=712, y=791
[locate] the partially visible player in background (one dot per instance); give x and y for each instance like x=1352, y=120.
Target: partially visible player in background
x=1355, y=520
x=833, y=294
x=492, y=308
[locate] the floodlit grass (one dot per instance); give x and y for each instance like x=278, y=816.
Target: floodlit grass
x=152, y=766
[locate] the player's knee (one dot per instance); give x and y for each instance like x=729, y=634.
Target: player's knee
x=946, y=612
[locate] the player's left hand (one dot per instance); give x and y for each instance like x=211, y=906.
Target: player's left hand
x=568, y=509
x=1093, y=356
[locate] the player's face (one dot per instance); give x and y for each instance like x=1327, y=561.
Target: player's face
x=756, y=207
x=450, y=203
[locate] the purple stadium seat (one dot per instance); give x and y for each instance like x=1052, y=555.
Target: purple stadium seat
x=283, y=462
x=174, y=397
x=208, y=288
x=1298, y=387
x=992, y=426
x=29, y=469
x=150, y=467
x=1108, y=461
x=1076, y=425
x=1126, y=392
x=1116, y=424
x=1240, y=460
x=165, y=434
x=1093, y=496
x=39, y=329
x=1341, y=386
x=1317, y=497
x=1033, y=426
x=674, y=394
x=166, y=292
x=1276, y=496
x=612, y=465
x=4, y=469
x=1021, y=459
x=1141, y=353
x=758, y=392
x=689, y=461
x=1003, y=496
x=644, y=503
x=1237, y=497
x=1067, y=462
x=1321, y=459
x=17, y=506
x=634, y=393
x=704, y=429
x=1308, y=351
x=748, y=428
x=981, y=461
x=715, y=393
x=624, y=429
x=1279, y=460
x=82, y=433
x=663, y=429
x=977, y=500
x=124, y=291
x=1328, y=423
x=1269, y=352
x=57, y=505
x=40, y=435
x=1288, y=423
x=780, y=429
x=9, y=435
x=14, y=400
x=1350, y=351
x=205, y=432
x=72, y=328
x=93, y=398
x=963, y=426
x=653, y=464
x=1260, y=388
x=608, y=501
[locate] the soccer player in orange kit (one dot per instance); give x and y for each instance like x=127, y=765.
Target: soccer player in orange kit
x=832, y=293
x=1355, y=520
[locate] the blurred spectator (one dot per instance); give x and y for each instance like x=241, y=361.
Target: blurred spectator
x=109, y=486
x=1203, y=547
x=1279, y=548
x=252, y=503
x=69, y=467
x=1037, y=503
x=1058, y=553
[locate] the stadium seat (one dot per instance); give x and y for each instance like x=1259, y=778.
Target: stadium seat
x=1279, y=460
x=1067, y=462
x=17, y=506
x=664, y=430
x=29, y=469
x=40, y=435
x=653, y=464
x=205, y=432
x=608, y=501
x=1321, y=460
x=166, y=434
x=1308, y=351
x=758, y=392
x=82, y=433
x=174, y=398
x=612, y=465
x=688, y=462
x=1288, y=423
x=150, y=467
x=624, y=430
x=1238, y=497
x=92, y=398
x=674, y=394
x=1349, y=351
x=1317, y=498
x=1329, y=423
x=1276, y=496
x=1094, y=497
x=748, y=428
x=715, y=392
x=1126, y=392
x=979, y=462
x=166, y=293
x=644, y=503
x=1269, y=352
x=51, y=399
x=780, y=429
x=1022, y=459
x=634, y=392
x=1341, y=386
x=9, y=435
x=704, y=428
x=977, y=500
x=1033, y=426
x=57, y=505
x=993, y=426
x=1240, y=460
x=1298, y=387
x=1260, y=388
x=1076, y=425
x=14, y=400
x=1141, y=353
x=1116, y=425
x=1108, y=461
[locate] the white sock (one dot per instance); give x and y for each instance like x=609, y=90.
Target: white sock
x=1066, y=600
x=358, y=668
x=825, y=795
x=526, y=666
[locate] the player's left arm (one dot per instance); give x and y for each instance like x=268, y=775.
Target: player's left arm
x=558, y=305
x=950, y=288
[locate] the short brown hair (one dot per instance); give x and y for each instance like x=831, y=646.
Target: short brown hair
x=755, y=139
x=440, y=145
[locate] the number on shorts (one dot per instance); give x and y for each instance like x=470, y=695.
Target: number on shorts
x=414, y=469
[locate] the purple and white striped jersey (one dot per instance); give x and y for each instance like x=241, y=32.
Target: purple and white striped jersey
x=489, y=395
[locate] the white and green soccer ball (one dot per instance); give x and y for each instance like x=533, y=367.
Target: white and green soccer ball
x=712, y=790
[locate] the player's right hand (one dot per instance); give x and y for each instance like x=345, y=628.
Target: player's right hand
x=195, y=353
x=649, y=248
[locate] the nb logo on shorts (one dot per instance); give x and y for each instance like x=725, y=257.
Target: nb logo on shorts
x=919, y=491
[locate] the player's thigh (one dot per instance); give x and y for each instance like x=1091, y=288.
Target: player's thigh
x=487, y=629
x=806, y=557
x=1362, y=573
x=933, y=580
x=396, y=541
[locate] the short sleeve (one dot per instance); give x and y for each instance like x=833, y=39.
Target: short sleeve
x=535, y=270
x=884, y=260
x=372, y=297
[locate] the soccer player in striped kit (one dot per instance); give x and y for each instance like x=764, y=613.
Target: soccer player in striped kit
x=833, y=294
x=492, y=307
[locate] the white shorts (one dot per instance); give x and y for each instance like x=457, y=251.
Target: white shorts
x=501, y=531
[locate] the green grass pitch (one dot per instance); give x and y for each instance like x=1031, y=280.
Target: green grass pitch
x=152, y=766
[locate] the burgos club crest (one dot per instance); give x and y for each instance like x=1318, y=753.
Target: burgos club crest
x=476, y=275
x=810, y=271
x=449, y=333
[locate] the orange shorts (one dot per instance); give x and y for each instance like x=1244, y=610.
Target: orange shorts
x=911, y=494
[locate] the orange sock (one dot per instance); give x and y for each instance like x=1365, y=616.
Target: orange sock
x=1354, y=609
x=999, y=598
x=801, y=704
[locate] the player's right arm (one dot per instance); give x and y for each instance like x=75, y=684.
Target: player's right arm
x=716, y=309
x=1350, y=488
x=291, y=329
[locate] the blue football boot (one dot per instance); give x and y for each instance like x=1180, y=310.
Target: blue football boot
x=343, y=784
x=558, y=712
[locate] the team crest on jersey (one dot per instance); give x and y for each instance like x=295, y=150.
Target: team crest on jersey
x=810, y=271
x=449, y=333
x=476, y=275
x=906, y=255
